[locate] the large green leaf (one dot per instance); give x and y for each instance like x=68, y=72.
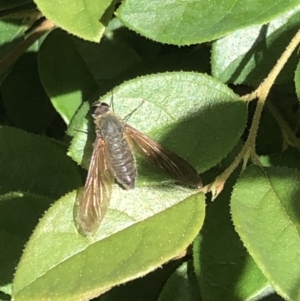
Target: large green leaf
x=191, y=114
x=146, y=288
x=265, y=210
x=188, y=22
x=143, y=229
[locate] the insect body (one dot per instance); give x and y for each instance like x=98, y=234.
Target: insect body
x=112, y=157
x=111, y=129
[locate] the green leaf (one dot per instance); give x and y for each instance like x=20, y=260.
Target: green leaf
x=11, y=34
x=29, y=109
x=288, y=158
x=189, y=22
x=248, y=55
x=146, y=288
x=145, y=48
x=35, y=164
x=287, y=109
x=191, y=114
x=4, y=297
x=85, y=19
x=297, y=80
x=265, y=207
x=224, y=269
x=182, y=285
x=76, y=268
x=19, y=214
x=107, y=59
x=64, y=74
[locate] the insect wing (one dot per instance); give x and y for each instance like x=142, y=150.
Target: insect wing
x=170, y=163
x=94, y=201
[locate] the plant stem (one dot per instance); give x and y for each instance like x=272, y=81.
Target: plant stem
x=262, y=92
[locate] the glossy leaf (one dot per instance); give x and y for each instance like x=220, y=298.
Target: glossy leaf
x=85, y=19
x=142, y=230
x=189, y=22
x=240, y=58
x=265, y=207
x=187, y=113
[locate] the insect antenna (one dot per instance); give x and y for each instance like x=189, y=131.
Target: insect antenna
x=126, y=118
x=112, y=101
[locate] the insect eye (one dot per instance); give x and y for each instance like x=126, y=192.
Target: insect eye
x=100, y=109
x=104, y=104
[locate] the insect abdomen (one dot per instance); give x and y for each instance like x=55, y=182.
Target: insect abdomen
x=122, y=161
x=121, y=158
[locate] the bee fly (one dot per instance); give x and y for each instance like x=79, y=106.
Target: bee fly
x=112, y=158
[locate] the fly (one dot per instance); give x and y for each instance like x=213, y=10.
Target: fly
x=112, y=158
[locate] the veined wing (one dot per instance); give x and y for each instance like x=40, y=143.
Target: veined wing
x=170, y=163
x=93, y=203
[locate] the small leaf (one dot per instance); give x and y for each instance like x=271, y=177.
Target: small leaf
x=246, y=56
x=265, y=210
x=76, y=268
x=85, y=19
